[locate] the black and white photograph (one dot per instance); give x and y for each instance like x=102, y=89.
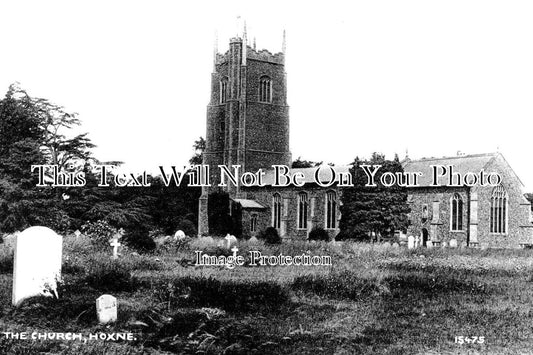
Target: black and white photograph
x=281, y=177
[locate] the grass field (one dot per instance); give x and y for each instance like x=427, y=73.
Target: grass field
x=373, y=300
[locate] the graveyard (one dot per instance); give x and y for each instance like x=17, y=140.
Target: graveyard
x=373, y=299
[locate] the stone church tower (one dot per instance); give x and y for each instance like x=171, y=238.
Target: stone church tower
x=247, y=116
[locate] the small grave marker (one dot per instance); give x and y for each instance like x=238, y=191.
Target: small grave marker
x=231, y=240
x=180, y=235
x=106, y=309
x=115, y=244
x=453, y=243
x=410, y=242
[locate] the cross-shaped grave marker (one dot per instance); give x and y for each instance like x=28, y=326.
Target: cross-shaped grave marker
x=115, y=244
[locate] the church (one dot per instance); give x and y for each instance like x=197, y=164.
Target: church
x=248, y=125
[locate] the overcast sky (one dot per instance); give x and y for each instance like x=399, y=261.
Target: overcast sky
x=433, y=77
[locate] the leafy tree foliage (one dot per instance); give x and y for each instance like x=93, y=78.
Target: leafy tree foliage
x=224, y=216
x=21, y=133
x=34, y=131
x=368, y=210
x=300, y=163
x=199, y=147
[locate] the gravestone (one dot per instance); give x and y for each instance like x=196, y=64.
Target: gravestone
x=253, y=241
x=77, y=233
x=453, y=243
x=410, y=242
x=180, y=235
x=230, y=240
x=417, y=241
x=106, y=309
x=395, y=245
x=37, y=264
x=115, y=244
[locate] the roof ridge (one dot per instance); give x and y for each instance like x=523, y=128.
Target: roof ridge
x=455, y=157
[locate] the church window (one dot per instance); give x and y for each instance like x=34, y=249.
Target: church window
x=276, y=211
x=331, y=210
x=223, y=90
x=456, y=213
x=303, y=204
x=253, y=223
x=425, y=213
x=265, y=89
x=498, y=210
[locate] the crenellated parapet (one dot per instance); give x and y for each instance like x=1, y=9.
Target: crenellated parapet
x=262, y=55
x=265, y=56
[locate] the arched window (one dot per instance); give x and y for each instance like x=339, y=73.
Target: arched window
x=498, y=210
x=331, y=210
x=302, y=210
x=223, y=90
x=276, y=211
x=456, y=213
x=265, y=89
x=253, y=223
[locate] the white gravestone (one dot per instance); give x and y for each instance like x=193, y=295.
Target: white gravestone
x=231, y=240
x=253, y=241
x=37, y=264
x=410, y=242
x=417, y=241
x=180, y=235
x=453, y=243
x=106, y=309
x=115, y=244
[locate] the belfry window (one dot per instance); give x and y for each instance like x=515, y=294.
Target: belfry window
x=302, y=210
x=331, y=210
x=498, y=210
x=223, y=90
x=276, y=211
x=265, y=89
x=456, y=213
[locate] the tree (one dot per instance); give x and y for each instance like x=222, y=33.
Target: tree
x=21, y=137
x=199, y=147
x=299, y=163
x=379, y=210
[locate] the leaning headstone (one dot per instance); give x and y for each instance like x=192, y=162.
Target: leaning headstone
x=230, y=240
x=180, y=235
x=37, y=264
x=106, y=309
x=410, y=242
x=453, y=243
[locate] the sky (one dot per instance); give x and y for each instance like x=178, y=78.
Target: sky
x=431, y=78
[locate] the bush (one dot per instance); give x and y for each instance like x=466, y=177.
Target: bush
x=99, y=232
x=140, y=240
x=270, y=236
x=188, y=228
x=339, y=285
x=319, y=233
x=110, y=275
